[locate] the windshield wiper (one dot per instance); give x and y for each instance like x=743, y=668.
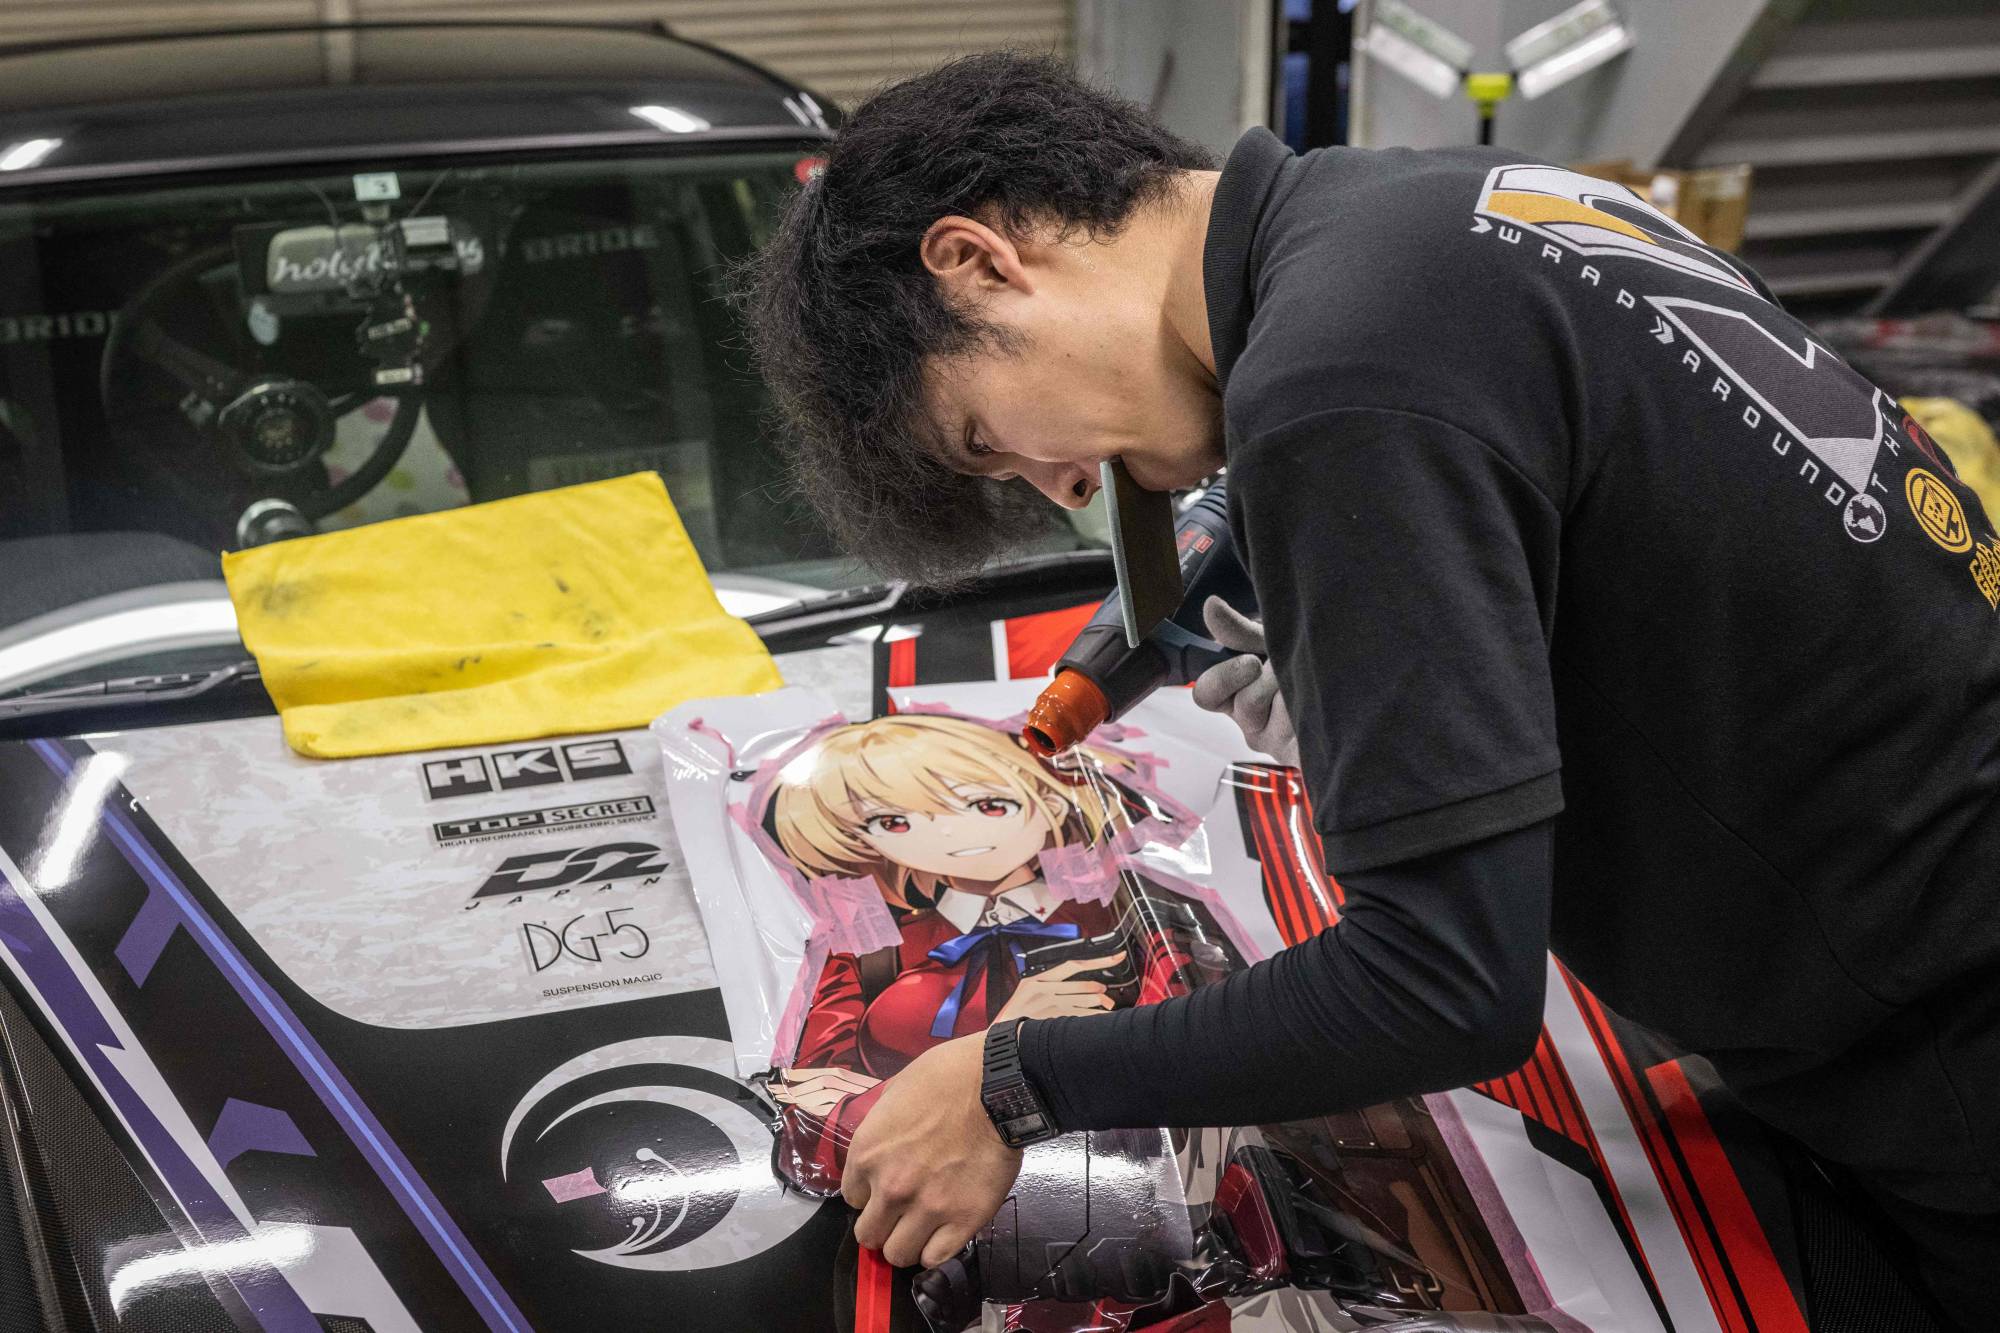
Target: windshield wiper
x=1027, y=567
x=128, y=692
x=858, y=603
x=870, y=601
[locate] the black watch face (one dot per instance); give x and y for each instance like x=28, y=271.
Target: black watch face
x=1024, y=1129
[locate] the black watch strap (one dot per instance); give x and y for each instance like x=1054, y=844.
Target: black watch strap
x=1011, y=1101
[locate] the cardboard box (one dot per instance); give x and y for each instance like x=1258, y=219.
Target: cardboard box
x=1711, y=202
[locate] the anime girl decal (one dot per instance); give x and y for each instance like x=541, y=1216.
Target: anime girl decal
x=966, y=836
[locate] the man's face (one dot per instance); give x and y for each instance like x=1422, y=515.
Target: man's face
x=1091, y=372
x=1064, y=402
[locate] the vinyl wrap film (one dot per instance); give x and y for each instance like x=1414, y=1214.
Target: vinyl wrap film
x=1155, y=859
x=563, y=1035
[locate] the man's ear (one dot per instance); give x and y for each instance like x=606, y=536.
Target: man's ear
x=972, y=259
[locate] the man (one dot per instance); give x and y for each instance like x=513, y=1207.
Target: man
x=1615, y=616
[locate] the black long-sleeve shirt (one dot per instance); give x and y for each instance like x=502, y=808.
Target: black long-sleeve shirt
x=1432, y=979
x=1556, y=519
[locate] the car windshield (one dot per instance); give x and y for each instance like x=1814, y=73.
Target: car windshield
x=190, y=368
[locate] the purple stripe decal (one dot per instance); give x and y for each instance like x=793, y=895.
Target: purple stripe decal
x=453, y=1250
x=147, y=936
x=248, y=1127
x=270, y=1298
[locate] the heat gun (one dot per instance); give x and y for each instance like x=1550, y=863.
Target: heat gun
x=1101, y=676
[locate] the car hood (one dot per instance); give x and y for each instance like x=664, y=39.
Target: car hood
x=328, y=1010
x=378, y=1040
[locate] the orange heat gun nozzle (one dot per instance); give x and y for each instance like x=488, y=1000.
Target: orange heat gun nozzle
x=1069, y=709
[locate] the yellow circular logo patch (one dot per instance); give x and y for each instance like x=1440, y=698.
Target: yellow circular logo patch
x=1938, y=511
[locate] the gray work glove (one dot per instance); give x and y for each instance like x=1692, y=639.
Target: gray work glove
x=1245, y=688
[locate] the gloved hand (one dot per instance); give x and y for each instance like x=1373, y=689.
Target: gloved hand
x=1245, y=687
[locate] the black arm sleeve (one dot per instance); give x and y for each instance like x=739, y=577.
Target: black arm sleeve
x=1432, y=979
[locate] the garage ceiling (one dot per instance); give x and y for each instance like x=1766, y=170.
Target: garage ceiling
x=841, y=48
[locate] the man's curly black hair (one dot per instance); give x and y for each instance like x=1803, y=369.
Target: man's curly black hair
x=845, y=318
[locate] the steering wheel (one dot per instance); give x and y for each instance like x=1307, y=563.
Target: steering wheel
x=273, y=427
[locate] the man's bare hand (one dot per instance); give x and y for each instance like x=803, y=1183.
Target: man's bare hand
x=1059, y=992
x=926, y=1168
x=817, y=1091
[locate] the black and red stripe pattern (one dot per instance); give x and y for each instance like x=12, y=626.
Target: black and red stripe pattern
x=1276, y=815
x=1732, y=1252
x=1541, y=1090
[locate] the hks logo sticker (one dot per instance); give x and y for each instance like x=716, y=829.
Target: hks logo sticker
x=1938, y=511
x=667, y=1170
x=529, y=766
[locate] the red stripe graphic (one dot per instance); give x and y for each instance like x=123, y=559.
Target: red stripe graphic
x=1538, y=1095
x=1567, y=1105
x=1272, y=799
x=1298, y=822
x=1301, y=920
x=1709, y=1265
x=873, y=1279
x=1773, y=1305
x=1569, y=1120
x=1580, y=1130
x=1036, y=643
x=902, y=663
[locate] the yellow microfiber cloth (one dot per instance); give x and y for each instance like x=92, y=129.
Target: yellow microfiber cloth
x=581, y=609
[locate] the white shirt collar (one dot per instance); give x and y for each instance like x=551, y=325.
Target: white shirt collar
x=965, y=909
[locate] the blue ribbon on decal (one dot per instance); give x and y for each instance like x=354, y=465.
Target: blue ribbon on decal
x=953, y=952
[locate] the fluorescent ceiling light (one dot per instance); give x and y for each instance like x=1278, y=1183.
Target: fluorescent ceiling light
x=28, y=153
x=1433, y=58
x=1411, y=61
x=1578, y=60
x=1565, y=29
x=1572, y=43
x=1424, y=34
x=671, y=118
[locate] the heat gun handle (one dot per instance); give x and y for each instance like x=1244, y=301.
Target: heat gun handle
x=1170, y=655
x=1099, y=679
x=1187, y=654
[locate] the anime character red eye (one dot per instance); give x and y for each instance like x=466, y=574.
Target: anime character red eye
x=888, y=824
x=996, y=807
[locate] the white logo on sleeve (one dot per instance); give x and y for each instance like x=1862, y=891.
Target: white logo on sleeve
x=1596, y=217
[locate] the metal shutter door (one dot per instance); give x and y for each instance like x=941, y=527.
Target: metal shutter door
x=30, y=20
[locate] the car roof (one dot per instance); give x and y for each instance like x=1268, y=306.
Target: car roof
x=150, y=103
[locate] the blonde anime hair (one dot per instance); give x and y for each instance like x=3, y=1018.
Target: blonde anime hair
x=910, y=762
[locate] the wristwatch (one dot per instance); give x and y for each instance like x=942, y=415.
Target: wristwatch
x=1015, y=1107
